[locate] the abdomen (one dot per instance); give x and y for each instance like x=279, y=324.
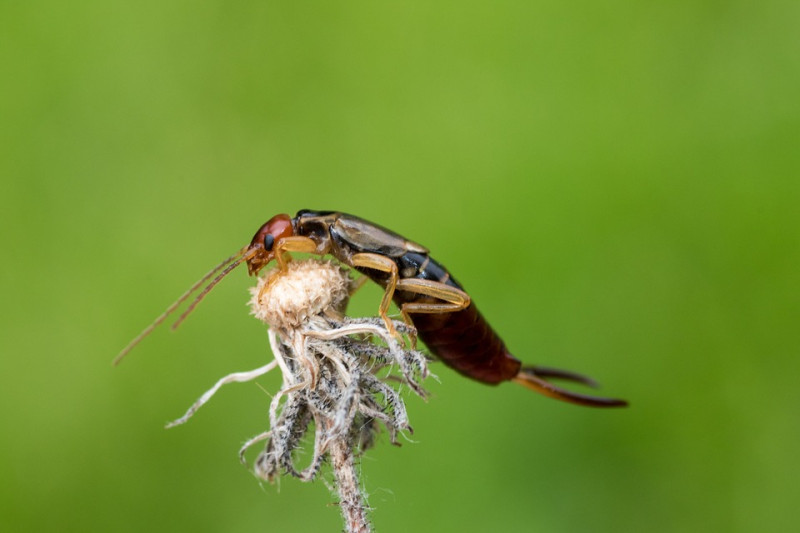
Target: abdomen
x=463, y=340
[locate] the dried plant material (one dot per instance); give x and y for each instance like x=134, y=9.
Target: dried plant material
x=336, y=375
x=287, y=300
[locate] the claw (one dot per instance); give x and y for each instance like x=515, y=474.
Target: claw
x=546, y=372
x=530, y=378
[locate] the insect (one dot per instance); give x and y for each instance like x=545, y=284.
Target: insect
x=440, y=309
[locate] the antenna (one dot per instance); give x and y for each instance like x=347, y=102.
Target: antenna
x=210, y=286
x=237, y=257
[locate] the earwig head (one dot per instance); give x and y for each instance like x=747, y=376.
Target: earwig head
x=260, y=251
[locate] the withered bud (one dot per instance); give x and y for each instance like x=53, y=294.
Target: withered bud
x=287, y=300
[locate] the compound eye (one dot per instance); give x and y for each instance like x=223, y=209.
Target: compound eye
x=269, y=242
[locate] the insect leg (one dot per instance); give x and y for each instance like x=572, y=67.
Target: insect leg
x=452, y=299
x=382, y=264
x=283, y=246
x=295, y=243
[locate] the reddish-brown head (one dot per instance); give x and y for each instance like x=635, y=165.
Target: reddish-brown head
x=261, y=247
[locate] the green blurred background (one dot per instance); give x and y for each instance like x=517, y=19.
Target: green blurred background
x=616, y=184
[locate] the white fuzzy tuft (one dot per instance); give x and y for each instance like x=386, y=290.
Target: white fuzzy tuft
x=286, y=300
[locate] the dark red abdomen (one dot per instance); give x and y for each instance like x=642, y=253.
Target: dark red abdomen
x=464, y=341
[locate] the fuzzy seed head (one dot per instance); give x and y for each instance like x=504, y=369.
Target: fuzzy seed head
x=287, y=300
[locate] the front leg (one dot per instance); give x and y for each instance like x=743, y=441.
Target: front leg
x=281, y=250
x=295, y=243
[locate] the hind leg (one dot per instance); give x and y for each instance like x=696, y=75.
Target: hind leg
x=450, y=298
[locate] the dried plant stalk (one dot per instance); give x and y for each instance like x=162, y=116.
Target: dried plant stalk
x=336, y=374
x=351, y=501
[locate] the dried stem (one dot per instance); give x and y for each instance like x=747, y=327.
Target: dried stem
x=351, y=500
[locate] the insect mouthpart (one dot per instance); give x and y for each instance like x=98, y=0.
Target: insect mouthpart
x=259, y=259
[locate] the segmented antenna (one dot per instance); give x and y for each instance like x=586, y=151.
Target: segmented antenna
x=237, y=257
x=210, y=286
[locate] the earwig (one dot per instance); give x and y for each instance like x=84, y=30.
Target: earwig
x=428, y=296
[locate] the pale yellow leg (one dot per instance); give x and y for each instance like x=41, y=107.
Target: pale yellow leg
x=283, y=247
x=382, y=264
x=295, y=243
x=453, y=299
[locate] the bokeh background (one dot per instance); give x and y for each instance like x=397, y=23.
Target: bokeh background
x=615, y=183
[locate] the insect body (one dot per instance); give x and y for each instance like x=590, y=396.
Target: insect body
x=444, y=315
x=428, y=296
